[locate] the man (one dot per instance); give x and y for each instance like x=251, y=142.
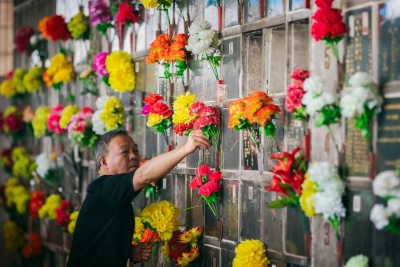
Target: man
x=105, y=224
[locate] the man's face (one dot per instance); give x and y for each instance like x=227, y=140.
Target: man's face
x=122, y=156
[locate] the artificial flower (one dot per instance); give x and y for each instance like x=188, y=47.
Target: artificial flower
x=113, y=114
x=309, y=188
x=126, y=14
x=21, y=198
x=138, y=232
x=100, y=15
x=23, y=164
x=79, y=26
x=11, y=183
x=33, y=79
x=21, y=41
x=81, y=128
x=48, y=210
x=13, y=122
x=188, y=257
x=6, y=160
x=73, y=217
x=63, y=214
x=44, y=165
x=39, y=122
x=54, y=27
x=53, y=121
x=99, y=64
x=18, y=80
x=119, y=65
x=191, y=236
x=36, y=202
x=33, y=247
x=250, y=253
x=8, y=89
x=13, y=235
x=293, y=101
x=66, y=115
x=387, y=184
x=379, y=216
x=357, y=261
x=60, y=71
x=181, y=118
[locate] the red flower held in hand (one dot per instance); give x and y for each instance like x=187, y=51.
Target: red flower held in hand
x=324, y=3
x=161, y=108
x=195, y=108
x=215, y=176
x=152, y=99
x=196, y=182
x=207, y=111
x=208, y=188
x=203, y=170
x=181, y=128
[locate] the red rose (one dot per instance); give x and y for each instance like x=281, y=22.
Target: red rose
x=324, y=3
x=195, y=108
x=196, y=182
x=207, y=111
x=338, y=29
x=300, y=74
x=215, y=176
x=208, y=188
x=293, y=99
x=126, y=14
x=152, y=99
x=203, y=170
x=320, y=31
x=161, y=108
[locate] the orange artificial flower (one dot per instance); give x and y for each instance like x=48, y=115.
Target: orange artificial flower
x=260, y=108
x=42, y=27
x=236, y=111
x=48, y=79
x=150, y=236
x=264, y=114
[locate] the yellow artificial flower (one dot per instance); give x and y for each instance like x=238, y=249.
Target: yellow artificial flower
x=71, y=227
x=60, y=70
x=7, y=89
x=13, y=235
x=113, y=114
x=250, y=253
x=66, y=115
x=18, y=80
x=165, y=251
x=155, y=3
x=309, y=188
x=64, y=74
x=10, y=110
x=78, y=26
x=74, y=216
x=122, y=74
x=139, y=228
x=49, y=208
x=154, y=119
x=163, y=217
x=191, y=236
x=181, y=108
x=188, y=257
x=24, y=167
x=21, y=197
x=18, y=152
x=39, y=122
x=33, y=79
x=11, y=183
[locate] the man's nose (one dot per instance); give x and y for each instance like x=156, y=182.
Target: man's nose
x=132, y=155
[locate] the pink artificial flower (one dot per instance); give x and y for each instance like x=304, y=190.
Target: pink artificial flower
x=201, y=122
x=196, y=182
x=207, y=111
x=99, y=64
x=87, y=113
x=195, y=108
x=294, y=97
x=203, y=170
x=215, y=176
x=80, y=128
x=53, y=124
x=146, y=109
x=300, y=74
x=208, y=188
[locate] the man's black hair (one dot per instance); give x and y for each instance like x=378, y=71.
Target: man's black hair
x=103, y=141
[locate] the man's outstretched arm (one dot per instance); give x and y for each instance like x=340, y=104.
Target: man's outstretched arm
x=161, y=165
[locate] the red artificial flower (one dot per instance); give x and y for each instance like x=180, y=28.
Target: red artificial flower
x=201, y=122
x=328, y=24
x=63, y=212
x=203, y=170
x=22, y=40
x=274, y=186
x=215, y=176
x=195, y=108
x=152, y=99
x=14, y=122
x=126, y=14
x=175, y=247
x=150, y=236
x=181, y=128
x=33, y=247
x=338, y=29
x=208, y=188
x=207, y=111
x=293, y=98
x=161, y=108
x=6, y=159
x=196, y=182
x=300, y=74
x=324, y=3
x=57, y=28
x=37, y=201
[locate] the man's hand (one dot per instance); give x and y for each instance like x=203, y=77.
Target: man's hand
x=196, y=139
x=142, y=251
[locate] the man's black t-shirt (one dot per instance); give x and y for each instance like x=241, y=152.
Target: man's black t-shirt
x=104, y=229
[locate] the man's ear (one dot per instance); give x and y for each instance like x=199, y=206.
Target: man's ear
x=103, y=162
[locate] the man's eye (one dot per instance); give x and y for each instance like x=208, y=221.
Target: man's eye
x=124, y=151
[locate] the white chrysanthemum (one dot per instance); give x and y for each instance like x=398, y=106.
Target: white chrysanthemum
x=386, y=184
x=44, y=164
x=203, y=41
x=379, y=216
x=351, y=106
x=357, y=261
x=99, y=127
x=393, y=207
x=317, y=95
x=315, y=85
x=360, y=79
x=100, y=101
x=199, y=26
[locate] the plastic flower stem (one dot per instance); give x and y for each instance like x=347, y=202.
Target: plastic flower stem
x=275, y=142
x=253, y=139
x=211, y=60
x=333, y=138
x=304, y=126
x=165, y=138
x=209, y=205
x=334, y=49
x=167, y=15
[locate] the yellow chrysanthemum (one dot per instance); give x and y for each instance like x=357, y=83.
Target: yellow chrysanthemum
x=250, y=253
x=60, y=70
x=39, y=122
x=18, y=80
x=66, y=115
x=33, y=79
x=155, y=3
x=165, y=251
x=13, y=235
x=113, y=114
x=49, y=208
x=21, y=198
x=163, y=217
x=307, y=196
x=154, y=119
x=24, y=167
x=7, y=89
x=191, y=236
x=78, y=25
x=181, y=108
x=122, y=74
x=188, y=257
x=139, y=228
x=74, y=216
x=71, y=227
x=18, y=152
x=11, y=183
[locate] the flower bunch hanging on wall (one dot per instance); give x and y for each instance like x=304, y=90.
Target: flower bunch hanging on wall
x=13, y=236
x=7, y=87
x=39, y=122
x=46, y=167
x=33, y=79
x=33, y=246
x=13, y=123
x=48, y=210
x=100, y=16
x=126, y=14
x=61, y=70
x=22, y=40
x=250, y=252
x=160, y=5
x=204, y=43
x=36, y=202
x=53, y=121
x=80, y=128
x=159, y=114
x=79, y=27
x=119, y=65
x=18, y=80
x=23, y=164
x=21, y=197
x=54, y=28
x=62, y=214
x=256, y=108
x=66, y=115
x=184, y=247
x=167, y=52
x=6, y=160
x=108, y=116
x=293, y=101
x=99, y=66
x=72, y=221
x=11, y=183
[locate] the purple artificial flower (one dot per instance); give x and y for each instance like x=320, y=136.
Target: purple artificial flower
x=146, y=109
x=99, y=64
x=99, y=12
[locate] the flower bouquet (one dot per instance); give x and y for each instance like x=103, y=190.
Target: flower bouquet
x=256, y=108
x=36, y=202
x=46, y=168
x=33, y=246
x=250, y=252
x=328, y=25
x=204, y=42
x=23, y=164
x=108, y=116
x=22, y=39
x=183, y=248
x=125, y=13
x=209, y=183
x=20, y=198
x=73, y=217
x=7, y=87
x=11, y=183
x=33, y=79
x=322, y=193
x=100, y=16
x=66, y=115
x=121, y=71
x=99, y=66
x=13, y=123
x=48, y=210
x=53, y=120
x=13, y=236
x=61, y=70
x=387, y=186
x=80, y=128
x=79, y=27
x=159, y=115
x=39, y=122
x=54, y=28
x=167, y=52
x=63, y=213
x=18, y=81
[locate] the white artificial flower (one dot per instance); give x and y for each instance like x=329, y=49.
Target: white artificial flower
x=44, y=164
x=100, y=101
x=33, y=40
x=329, y=204
x=317, y=95
x=357, y=261
x=99, y=127
x=379, y=216
x=393, y=207
x=199, y=26
x=203, y=41
x=314, y=84
x=386, y=184
x=202, y=48
x=350, y=106
x=360, y=79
